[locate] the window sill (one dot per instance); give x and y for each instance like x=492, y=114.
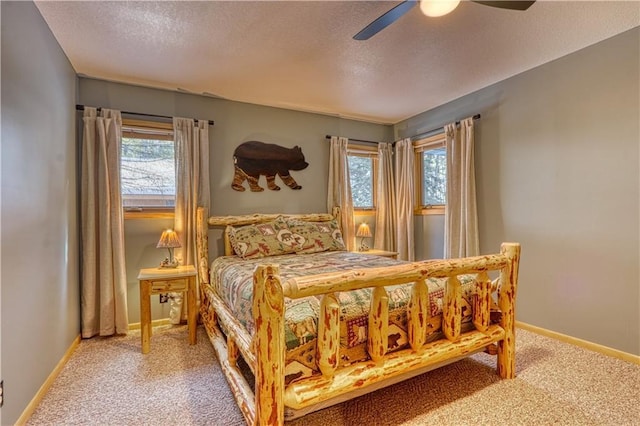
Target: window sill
x=425, y=211
x=149, y=214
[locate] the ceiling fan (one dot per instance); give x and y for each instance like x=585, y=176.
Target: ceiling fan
x=430, y=8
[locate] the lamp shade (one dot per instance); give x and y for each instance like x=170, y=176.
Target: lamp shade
x=169, y=239
x=363, y=231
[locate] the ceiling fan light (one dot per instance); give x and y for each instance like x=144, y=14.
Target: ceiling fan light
x=435, y=8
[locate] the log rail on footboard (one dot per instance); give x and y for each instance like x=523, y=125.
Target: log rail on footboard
x=265, y=353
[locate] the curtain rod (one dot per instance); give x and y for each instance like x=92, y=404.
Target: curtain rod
x=437, y=129
x=81, y=108
x=356, y=140
x=418, y=136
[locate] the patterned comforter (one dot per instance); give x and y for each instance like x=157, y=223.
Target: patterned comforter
x=232, y=279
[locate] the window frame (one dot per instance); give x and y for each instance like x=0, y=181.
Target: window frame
x=160, y=131
x=370, y=152
x=419, y=146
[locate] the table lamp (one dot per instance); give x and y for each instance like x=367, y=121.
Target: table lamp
x=364, y=232
x=169, y=240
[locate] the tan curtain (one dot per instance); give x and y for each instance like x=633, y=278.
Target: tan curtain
x=192, y=182
x=405, y=194
x=461, y=216
x=339, y=190
x=385, y=233
x=104, y=282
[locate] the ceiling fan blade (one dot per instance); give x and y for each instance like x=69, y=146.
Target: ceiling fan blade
x=385, y=20
x=512, y=5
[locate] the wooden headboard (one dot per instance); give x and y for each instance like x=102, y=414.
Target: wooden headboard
x=204, y=222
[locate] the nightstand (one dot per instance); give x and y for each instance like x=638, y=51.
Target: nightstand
x=384, y=253
x=167, y=280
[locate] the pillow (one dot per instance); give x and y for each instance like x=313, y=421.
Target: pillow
x=262, y=240
x=314, y=237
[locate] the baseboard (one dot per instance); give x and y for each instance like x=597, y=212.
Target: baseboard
x=28, y=411
x=154, y=323
x=625, y=356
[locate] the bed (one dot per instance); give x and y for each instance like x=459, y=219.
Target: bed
x=316, y=325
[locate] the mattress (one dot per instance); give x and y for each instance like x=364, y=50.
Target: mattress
x=232, y=280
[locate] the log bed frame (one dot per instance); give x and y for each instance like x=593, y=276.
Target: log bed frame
x=264, y=353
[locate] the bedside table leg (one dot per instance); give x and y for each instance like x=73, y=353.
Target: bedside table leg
x=145, y=315
x=192, y=310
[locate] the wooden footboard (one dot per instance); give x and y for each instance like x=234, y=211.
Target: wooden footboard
x=265, y=353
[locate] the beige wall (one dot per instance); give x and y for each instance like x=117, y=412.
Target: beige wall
x=235, y=122
x=40, y=293
x=557, y=163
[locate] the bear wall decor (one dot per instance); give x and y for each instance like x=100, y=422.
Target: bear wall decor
x=252, y=159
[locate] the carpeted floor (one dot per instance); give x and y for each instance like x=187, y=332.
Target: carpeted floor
x=108, y=381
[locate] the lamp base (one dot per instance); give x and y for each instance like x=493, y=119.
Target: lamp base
x=166, y=263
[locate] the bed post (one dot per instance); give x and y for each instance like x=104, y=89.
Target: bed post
x=207, y=315
x=506, y=302
x=335, y=212
x=269, y=345
x=202, y=244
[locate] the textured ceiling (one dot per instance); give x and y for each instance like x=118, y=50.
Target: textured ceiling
x=300, y=54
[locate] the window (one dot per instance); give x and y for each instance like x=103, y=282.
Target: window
x=431, y=174
x=363, y=165
x=147, y=168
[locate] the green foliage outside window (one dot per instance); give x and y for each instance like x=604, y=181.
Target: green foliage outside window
x=434, y=177
x=361, y=176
